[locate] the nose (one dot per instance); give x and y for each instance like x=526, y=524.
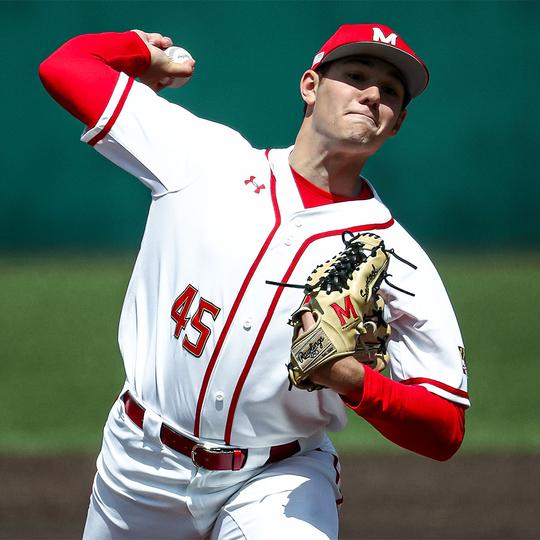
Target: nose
x=371, y=96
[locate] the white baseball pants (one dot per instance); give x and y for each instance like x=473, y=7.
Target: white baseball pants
x=144, y=490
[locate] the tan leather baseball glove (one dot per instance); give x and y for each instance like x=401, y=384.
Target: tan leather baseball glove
x=342, y=296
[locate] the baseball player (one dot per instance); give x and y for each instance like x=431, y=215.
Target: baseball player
x=207, y=440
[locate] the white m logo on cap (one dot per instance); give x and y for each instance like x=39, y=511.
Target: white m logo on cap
x=379, y=36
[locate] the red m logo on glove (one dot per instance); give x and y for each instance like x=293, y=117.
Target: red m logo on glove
x=346, y=312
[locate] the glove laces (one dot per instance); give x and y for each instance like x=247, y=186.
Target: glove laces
x=340, y=271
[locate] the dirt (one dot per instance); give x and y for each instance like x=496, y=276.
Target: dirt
x=386, y=497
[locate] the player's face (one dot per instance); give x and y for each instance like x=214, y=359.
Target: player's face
x=358, y=102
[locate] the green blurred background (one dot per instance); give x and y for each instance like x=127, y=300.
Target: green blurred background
x=462, y=176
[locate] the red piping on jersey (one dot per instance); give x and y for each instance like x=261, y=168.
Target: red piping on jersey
x=433, y=382
x=118, y=109
x=271, y=309
x=239, y=296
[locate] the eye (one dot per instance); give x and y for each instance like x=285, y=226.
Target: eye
x=390, y=90
x=357, y=77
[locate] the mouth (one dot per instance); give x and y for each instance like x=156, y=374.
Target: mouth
x=364, y=115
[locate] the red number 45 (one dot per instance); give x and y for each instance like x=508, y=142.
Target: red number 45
x=179, y=314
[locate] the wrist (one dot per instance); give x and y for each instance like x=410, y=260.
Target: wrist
x=345, y=376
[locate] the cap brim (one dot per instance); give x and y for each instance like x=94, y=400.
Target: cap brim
x=413, y=70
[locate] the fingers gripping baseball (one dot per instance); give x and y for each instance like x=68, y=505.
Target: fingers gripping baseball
x=167, y=66
x=154, y=38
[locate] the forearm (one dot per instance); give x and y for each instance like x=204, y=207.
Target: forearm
x=409, y=416
x=82, y=73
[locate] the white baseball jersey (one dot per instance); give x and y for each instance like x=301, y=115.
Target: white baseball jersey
x=204, y=339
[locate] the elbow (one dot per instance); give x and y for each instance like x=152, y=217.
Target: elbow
x=447, y=451
x=44, y=70
x=451, y=443
x=56, y=65
x=48, y=72
x=439, y=449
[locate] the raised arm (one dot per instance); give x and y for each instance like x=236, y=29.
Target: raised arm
x=82, y=74
x=93, y=77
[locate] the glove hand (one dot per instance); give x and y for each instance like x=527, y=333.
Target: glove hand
x=345, y=312
x=344, y=375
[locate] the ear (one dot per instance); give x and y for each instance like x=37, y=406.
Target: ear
x=308, y=86
x=399, y=122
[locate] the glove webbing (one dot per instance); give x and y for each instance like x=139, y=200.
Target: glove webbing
x=340, y=272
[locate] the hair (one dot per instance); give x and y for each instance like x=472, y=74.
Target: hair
x=323, y=69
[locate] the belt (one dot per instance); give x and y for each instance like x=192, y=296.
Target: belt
x=207, y=456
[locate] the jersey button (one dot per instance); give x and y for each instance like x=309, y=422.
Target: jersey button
x=219, y=396
x=247, y=325
x=288, y=241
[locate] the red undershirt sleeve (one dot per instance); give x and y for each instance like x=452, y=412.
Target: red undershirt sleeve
x=82, y=74
x=410, y=416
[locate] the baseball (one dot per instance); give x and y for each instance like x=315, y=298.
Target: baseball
x=177, y=55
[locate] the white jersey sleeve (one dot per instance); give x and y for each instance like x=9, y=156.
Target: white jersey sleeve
x=425, y=346
x=159, y=142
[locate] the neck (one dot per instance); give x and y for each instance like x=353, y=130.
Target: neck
x=333, y=169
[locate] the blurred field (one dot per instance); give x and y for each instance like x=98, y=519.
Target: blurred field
x=386, y=497
x=61, y=368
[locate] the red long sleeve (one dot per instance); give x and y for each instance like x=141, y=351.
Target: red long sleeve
x=410, y=416
x=82, y=73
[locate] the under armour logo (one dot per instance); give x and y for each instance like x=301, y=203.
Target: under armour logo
x=258, y=187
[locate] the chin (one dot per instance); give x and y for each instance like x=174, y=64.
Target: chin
x=361, y=132
x=364, y=139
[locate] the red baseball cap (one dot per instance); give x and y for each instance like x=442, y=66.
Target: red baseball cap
x=378, y=41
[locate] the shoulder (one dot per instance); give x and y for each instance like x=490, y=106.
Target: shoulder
x=407, y=247
x=171, y=119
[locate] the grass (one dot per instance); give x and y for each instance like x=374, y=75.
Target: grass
x=61, y=369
